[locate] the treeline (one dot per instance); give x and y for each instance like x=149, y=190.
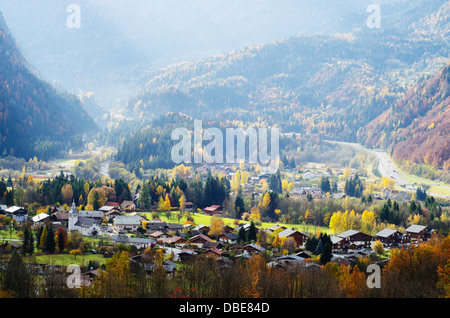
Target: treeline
x=62, y=190
x=213, y=191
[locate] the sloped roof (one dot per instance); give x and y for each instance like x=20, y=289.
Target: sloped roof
x=348, y=233
x=85, y=222
x=386, y=232
x=40, y=217
x=415, y=228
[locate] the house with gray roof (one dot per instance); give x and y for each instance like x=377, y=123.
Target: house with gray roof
x=126, y=223
x=419, y=232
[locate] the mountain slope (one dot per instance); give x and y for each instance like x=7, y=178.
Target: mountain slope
x=329, y=85
x=417, y=126
x=36, y=120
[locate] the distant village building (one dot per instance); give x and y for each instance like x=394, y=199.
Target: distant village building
x=419, y=232
x=386, y=193
x=299, y=237
x=357, y=238
x=390, y=237
x=212, y=210
x=126, y=223
x=128, y=205
x=17, y=213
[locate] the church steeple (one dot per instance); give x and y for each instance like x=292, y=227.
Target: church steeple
x=73, y=205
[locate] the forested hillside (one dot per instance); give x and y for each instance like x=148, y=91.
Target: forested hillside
x=36, y=120
x=326, y=85
x=330, y=86
x=416, y=127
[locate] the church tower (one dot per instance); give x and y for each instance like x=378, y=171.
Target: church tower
x=73, y=217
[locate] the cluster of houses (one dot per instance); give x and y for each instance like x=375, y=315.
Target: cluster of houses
x=187, y=242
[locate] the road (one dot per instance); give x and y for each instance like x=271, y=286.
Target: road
x=104, y=168
x=386, y=167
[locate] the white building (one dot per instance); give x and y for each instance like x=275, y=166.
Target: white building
x=85, y=226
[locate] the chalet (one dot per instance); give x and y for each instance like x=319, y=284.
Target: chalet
x=17, y=213
x=174, y=240
x=358, y=238
x=212, y=245
x=212, y=210
x=419, y=232
x=187, y=256
x=40, y=218
x=290, y=260
x=227, y=229
x=213, y=252
x=61, y=218
x=3, y=209
x=112, y=214
x=275, y=227
x=189, y=206
x=128, y=205
x=10, y=247
x=157, y=226
x=338, y=243
x=199, y=239
x=299, y=237
x=254, y=248
x=158, y=235
x=15, y=210
x=134, y=241
x=177, y=228
x=126, y=223
x=304, y=254
x=108, y=208
x=389, y=237
x=230, y=238
x=341, y=260
x=201, y=228
x=169, y=267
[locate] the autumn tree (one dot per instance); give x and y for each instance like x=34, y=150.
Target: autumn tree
x=61, y=239
x=97, y=198
x=67, y=193
x=216, y=227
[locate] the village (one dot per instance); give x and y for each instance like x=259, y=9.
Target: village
x=125, y=226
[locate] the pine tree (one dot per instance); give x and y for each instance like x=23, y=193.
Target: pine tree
x=239, y=206
x=26, y=240
x=241, y=235
x=144, y=200
x=50, y=244
x=326, y=255
x=251, y=233
x=319, y=248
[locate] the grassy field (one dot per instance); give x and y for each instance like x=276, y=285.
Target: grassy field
x=61, y=259
x=200, y=218
x=67, y=259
